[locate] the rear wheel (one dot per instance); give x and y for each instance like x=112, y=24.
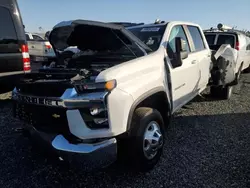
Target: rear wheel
x=226, y=91
x=247, y=70
x=144, y=146
x=221, y=92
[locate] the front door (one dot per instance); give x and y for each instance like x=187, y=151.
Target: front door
x=184, y=79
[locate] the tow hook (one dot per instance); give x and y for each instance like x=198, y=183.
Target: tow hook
x=60, y=159
x=19, y=129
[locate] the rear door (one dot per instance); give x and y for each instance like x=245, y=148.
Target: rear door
x=10, y=51
x=201, y=53
x=184, y=78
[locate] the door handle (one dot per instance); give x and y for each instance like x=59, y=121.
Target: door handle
x=194, y=62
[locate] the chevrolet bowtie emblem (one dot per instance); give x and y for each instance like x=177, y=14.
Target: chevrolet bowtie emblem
x=56, y=116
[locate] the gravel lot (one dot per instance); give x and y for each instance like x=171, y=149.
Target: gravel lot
x=208, y=145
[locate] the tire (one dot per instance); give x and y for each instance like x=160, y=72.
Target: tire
x=247, y=70
x=221, y=92
x=225, y=92
x=144, y=147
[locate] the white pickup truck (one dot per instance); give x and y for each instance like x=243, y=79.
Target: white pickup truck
x=118, y=100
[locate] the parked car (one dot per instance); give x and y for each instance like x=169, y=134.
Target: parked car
x=14, y=56
x=121, y=97
x=237, y=39
x=40, y=50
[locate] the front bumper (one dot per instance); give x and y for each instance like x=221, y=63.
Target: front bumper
x=66, y=115
x=87, y=156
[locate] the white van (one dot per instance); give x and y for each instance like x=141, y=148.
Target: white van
x=237, y=39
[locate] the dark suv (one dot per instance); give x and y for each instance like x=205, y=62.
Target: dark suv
x=14, y=56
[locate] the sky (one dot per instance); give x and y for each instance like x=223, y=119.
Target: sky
x=207, y=13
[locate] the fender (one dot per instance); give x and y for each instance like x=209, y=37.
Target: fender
x=142, y=98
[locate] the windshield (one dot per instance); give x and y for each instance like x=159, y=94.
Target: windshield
x=151, y=36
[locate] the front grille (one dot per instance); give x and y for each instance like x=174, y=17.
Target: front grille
x=43, y=89
x=47, y=119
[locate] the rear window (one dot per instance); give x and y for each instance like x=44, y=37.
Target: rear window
x=226, y=39
x=210, y=39
x=7, y=32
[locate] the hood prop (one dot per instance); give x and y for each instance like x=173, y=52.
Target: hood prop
x=124, y=43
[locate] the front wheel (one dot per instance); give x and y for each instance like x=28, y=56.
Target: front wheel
x=145, y=144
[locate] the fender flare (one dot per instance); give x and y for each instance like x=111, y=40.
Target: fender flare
x=142, y=98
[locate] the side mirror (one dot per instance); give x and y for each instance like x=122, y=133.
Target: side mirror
x=181, y=52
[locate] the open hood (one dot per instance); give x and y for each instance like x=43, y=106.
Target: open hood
x=94, y=36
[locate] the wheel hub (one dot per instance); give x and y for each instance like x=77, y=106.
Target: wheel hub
x=153, y=140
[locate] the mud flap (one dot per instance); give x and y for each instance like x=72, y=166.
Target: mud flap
x=224, y=66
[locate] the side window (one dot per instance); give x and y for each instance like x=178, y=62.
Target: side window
x=248, y=47
x=248, y=43
x=197, y=38
x=7, y=32
x=177, y=31
x=36, y=37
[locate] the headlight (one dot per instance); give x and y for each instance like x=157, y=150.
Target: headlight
x=86, y=87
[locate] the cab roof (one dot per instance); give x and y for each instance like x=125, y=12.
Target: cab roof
x=164, y=24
